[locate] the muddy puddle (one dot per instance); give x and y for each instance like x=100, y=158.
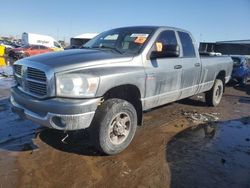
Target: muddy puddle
x=15, y=133
x=12, y=137
x=211, y=155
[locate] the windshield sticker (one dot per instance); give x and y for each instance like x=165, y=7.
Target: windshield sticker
x=140, y=40
x=139, y=35
x=159, y=46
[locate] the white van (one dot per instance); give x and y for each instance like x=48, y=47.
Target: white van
x=79, y=40
x=45, y=40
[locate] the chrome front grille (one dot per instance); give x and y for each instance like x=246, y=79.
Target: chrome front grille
x=31, y=80
x=18, y=69
x=37, y=88
x=18, y=73
x=36, y=74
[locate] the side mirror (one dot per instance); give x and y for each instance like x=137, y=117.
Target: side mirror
x=170, y=50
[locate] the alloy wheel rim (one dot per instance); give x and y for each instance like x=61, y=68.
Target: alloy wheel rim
x=119, y=128
x=218, y=94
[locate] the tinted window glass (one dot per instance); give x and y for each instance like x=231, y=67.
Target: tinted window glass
x=187, y=44
x=57, y=45
x=167, y=37
x=35, y=47
x=43, y=47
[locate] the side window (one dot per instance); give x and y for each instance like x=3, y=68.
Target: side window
x=187, y=44
x=35, y=48
x=57, y=45
x=167, y=37
x=43, y=47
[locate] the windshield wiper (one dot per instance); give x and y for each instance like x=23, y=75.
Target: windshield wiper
x=108, y=47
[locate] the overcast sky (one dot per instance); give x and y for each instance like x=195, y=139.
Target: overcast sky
x=212, y=20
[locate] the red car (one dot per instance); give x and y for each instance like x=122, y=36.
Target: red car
x=28, y=50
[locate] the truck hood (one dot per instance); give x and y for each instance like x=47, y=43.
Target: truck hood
x=73, y=59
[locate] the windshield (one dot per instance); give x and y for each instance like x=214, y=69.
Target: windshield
x=123, y=40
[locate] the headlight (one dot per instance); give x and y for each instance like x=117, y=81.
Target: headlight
x=76, y=85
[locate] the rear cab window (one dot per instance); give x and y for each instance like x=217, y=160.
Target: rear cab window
x=187, y=44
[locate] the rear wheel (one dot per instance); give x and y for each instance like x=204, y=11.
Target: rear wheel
x=213, y=96
x=114, y=126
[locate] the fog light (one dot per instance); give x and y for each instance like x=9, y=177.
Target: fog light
x=58, y=121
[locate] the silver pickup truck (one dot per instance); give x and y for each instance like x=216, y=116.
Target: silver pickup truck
x=106, y=85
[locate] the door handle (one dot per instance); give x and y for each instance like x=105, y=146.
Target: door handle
x=177, y=66
x=197, y=64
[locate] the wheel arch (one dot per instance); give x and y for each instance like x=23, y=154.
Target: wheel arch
x=130, y=93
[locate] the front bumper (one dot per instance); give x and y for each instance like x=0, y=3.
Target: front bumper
x=57, y=113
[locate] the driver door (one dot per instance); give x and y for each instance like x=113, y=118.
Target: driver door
x=163, y=75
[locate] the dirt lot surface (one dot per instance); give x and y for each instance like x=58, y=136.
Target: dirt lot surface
x=31, y=156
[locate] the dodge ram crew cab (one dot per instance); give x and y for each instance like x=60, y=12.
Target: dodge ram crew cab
x=107, y=84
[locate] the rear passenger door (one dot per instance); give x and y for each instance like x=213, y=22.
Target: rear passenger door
x=191, y=66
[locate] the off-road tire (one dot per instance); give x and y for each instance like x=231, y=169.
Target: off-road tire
x=213, y=96
x=103, y=120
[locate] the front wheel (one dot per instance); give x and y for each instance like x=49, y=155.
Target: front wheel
x=213, y=96
x=114, y=126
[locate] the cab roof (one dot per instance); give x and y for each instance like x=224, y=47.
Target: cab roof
x=153, y=28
